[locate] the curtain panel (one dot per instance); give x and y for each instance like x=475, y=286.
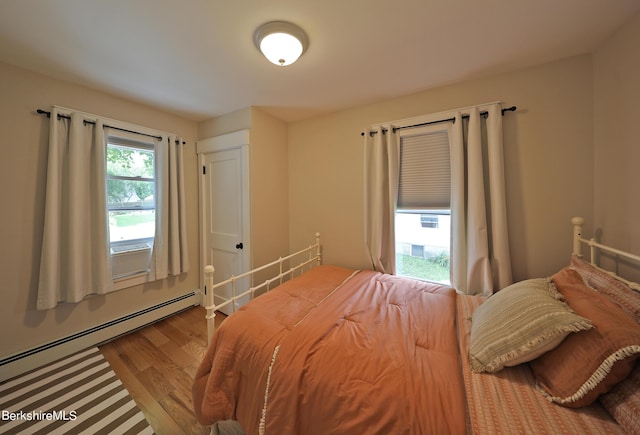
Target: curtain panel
x=75, y=259
x=381, y=172
x=170, y=250
x=480, y=257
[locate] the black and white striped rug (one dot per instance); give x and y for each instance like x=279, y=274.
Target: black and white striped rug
x=79, y=394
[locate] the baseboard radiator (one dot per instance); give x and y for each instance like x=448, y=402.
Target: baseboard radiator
x=44, y=354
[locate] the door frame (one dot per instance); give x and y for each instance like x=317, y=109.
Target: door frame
x=236, y=140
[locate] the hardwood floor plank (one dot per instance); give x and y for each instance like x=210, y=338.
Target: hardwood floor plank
x=156, y=382
x=195, y=351
x=158, y=418
x=172, y=332
x=185, y=324
x=184, y=360
x=153, y=356
x=157, y=365
x=128, y=351
x=156, y=337
x=181, y=412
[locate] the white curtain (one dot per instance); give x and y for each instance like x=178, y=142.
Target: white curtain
x=75, y=258
x=480, y=258
x=170, y=251
x=381, y=171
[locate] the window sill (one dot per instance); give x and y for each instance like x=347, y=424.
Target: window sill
x=130, y=281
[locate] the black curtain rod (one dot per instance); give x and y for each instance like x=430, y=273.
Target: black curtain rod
x=86, y=121
x=484, y=113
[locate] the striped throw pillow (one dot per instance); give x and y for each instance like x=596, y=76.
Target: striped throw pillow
x=520, y=323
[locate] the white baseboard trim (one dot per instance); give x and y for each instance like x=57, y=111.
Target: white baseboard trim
x=30, y=359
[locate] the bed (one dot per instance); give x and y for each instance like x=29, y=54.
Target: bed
x=334, y=350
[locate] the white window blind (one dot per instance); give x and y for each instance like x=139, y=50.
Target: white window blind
x=425, y=171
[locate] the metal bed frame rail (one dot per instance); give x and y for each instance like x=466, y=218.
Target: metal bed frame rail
x=578, y=240
x=314, y=259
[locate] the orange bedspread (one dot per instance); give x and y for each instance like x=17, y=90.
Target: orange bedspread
x=338, y=351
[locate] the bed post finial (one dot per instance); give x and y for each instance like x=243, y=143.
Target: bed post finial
x=577, y=235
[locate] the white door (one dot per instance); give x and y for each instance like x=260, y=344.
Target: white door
x=225, y=219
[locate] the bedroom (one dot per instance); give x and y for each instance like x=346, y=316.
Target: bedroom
x=573, y=135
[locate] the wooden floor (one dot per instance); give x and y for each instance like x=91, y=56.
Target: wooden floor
x=157, y=365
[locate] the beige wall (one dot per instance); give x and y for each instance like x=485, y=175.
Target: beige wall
x=228, y=123
x=548, y=157
x=22, y=177
x=616, y=67
x=269, y=178
x=269, y=188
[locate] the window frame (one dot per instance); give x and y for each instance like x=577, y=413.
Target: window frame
x=138, y=254
x=428, y=209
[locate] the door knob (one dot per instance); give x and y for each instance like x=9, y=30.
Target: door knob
x=239, y=245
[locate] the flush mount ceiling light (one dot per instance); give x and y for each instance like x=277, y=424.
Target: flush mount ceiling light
x=282, y=43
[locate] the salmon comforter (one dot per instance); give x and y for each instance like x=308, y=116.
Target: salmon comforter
x=338, y=351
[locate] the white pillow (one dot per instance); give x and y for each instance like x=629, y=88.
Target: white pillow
x=520, y=323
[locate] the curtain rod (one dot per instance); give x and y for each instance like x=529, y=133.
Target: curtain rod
x=86, y=121
x=422, y=124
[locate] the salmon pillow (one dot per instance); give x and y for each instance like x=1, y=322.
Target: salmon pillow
x=589, y=363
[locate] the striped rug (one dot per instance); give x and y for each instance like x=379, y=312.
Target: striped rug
x=79, y=394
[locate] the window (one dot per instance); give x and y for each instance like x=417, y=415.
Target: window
x=423, y=252
x=429, y=221
x=423, y=217
x=131, y=205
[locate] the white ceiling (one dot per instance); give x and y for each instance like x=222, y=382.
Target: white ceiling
x=196, y=58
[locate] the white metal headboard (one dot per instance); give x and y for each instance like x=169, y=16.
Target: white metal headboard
x=578, y=240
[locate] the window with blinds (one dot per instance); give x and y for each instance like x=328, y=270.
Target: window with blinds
x=425, y=171
x=423, y=217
